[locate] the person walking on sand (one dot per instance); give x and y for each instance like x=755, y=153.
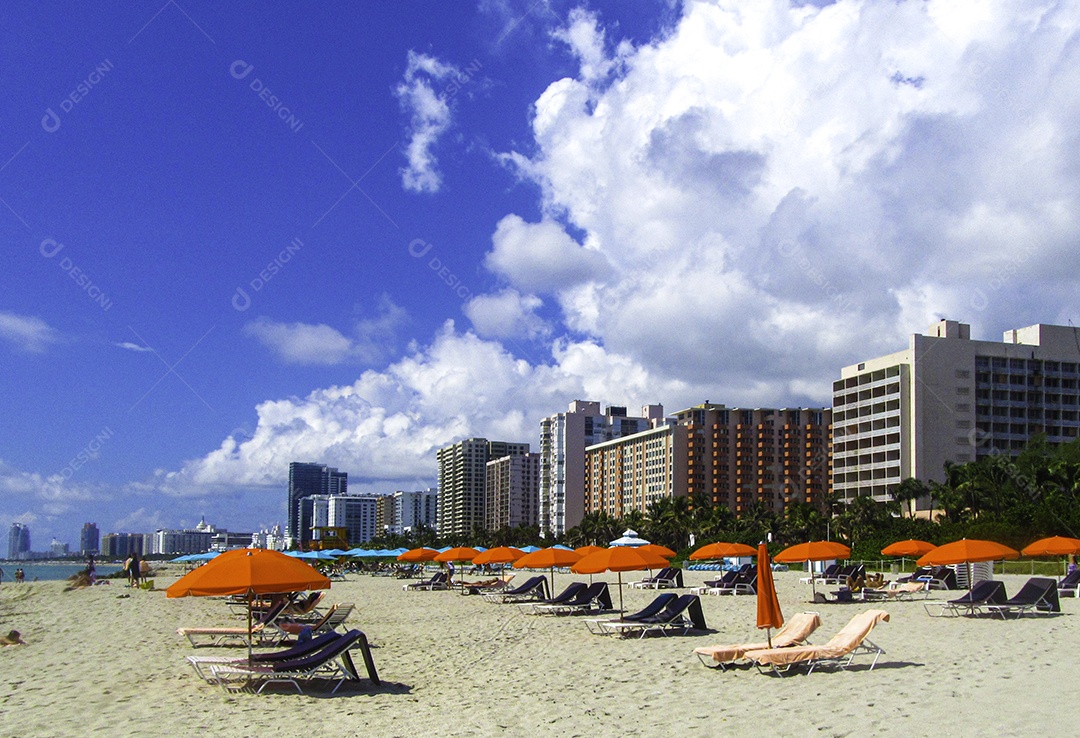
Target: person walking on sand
x=134, y=571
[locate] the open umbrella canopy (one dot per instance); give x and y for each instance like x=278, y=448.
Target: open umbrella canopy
x=1054, y=546
x=547, y=558
x=417, y=555
x=619, y=559
x=656, y=548
x=721, y=550
x=530, y=549
x=768, y=605
x=499, y=555
x=629, y=538
x=813, y=551
x=586, y=550
x=247, y=571
x=458, y=553
x=967, y=550
x=910, y=547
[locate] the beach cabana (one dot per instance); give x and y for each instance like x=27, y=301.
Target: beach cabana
x=629, y=538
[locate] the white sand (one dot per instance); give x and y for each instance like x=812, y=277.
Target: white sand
x=100, y=663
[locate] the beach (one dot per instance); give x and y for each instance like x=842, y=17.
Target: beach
x=108, y=660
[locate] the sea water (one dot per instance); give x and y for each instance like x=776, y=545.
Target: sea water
x=50, y=572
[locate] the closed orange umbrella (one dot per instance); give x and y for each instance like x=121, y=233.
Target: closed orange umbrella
x=548, y=558
x=249, y=572
x=910, y=547
x=1054, y=546
x=813, y=551
x=417, y=555
x=499, y=555
x=721, y=550
x=768, y=604
x=966, y=551
x=619, y=559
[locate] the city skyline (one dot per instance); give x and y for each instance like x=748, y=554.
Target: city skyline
x=245, y=235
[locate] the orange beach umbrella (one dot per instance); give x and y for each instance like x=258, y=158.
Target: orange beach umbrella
x=656, y=548
x=966, y=551
x=813, y=551
x=1054, y=546
x=249, y=572
x=910, y=547
x=548, y=558
x=721, y=550
x=586, y=550
x=417, y=555
x=499, y=555
x=619, y=559
x=458, y=553
x=768, y=605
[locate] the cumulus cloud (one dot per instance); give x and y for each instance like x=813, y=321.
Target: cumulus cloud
x=507, y=314
x=541, y=257
x=734, y=211
x=780, y=191
x=429, y=117
x=27, y=333
x=319, y=344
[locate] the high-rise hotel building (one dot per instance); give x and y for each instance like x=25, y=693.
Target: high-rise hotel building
x=563, y=439
x=462, y=482
x=306, y=480
x=949, y=398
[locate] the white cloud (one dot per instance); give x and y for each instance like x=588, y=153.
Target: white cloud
x=541, y=257
x=507, y=314
x=27, y=333
x=133, y=347
x=320, y=344
x=762, y=195
x=429, y=117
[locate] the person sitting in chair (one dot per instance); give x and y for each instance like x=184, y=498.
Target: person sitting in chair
x=855, y=584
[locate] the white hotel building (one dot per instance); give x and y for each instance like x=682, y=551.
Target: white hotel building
x=949, y=398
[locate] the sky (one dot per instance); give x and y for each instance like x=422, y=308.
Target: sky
x=246, y=234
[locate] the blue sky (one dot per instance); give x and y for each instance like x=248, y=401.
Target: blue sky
x=355, y=232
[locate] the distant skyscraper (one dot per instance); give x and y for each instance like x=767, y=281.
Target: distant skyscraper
x=18, y=541
x=462, y=477
x=412, y=509
x=306, y=480
x=563, y=438
x=88, y=539
x=512, y=491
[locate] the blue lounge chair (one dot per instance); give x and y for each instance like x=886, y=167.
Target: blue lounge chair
x=984, y=593
x=659, y=603
x=1039, y=595
x=535, y=588
x=683, y=613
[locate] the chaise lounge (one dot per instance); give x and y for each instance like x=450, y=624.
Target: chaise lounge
x=796, y=630
x=839, y=651
x=1039, y=595
x=983, y=594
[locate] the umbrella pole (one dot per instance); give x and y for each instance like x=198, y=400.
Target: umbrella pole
x=622, y=612
x=768, y=636
x=250, y=597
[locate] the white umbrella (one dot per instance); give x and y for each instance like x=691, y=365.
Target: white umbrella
x=629, y=538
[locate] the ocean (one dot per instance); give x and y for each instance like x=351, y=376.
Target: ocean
x=50, y=572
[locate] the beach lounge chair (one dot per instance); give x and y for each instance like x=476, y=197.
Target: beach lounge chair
x=984, y=593
x=438, y=580
x=305, y=607
x=794, y=633
x=572, y=590
x=330, y=663
x=534, y=588
x=668, y=578
x=905, y=591
x=727, y=579
x=1039, y=595
x=839, y=651
x=335, y=617
x=594, y=598
x=830, y=573
x=745, y=582
x=1070, y=584
x=596, y=626
x=497, y=584
x=202, y=664
x=263, y=632
x=683, y=613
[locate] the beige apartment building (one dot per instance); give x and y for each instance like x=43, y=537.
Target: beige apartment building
x=512, y=492
x=774, y=456
x=949, y=398
x=631, y=473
